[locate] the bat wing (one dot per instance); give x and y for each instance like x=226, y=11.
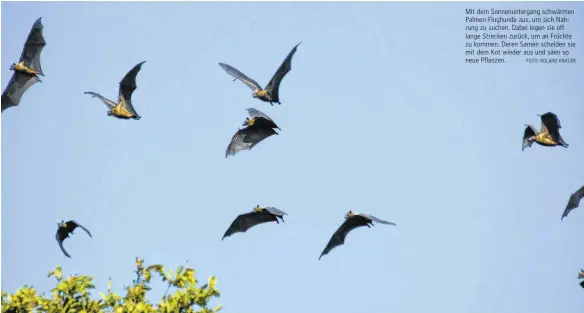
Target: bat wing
x=529, y=132
x=31, y=55
x=273, y=86
x=275, y=211
x=128, y=85
x=71, y=225
x=339, y=236
x=247, y=138
x=242, y=77
x=376, y=220
x=574, y=201
x=109, y=103
x=246, y=221
x=255, y=113
x=582, y=284
x=60, y=236
x=16, y=87
x=551, y=122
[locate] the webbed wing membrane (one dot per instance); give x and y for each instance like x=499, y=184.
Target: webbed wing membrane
x=16, y=87
x=551, y=122
x=242, y=77
x=275, y=211
x=128, y=85
x=574, y=202
x=254, y=113
x=60, y=237
x=31, y=55
x=109, y=103
x=529, y=132
x=273, y=86
x=339, y=236
x=247, y=138
x=71, y=225
x=582, y=284
x=248, y=220
x=376, y=220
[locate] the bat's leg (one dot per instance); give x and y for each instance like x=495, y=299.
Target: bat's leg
x=234, y=79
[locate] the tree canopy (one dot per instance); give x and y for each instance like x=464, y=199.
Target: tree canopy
x=72, y=294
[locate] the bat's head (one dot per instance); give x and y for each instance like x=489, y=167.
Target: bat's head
x=258, y=208
x=248, y=121
x=13, y=66
x=349, y=214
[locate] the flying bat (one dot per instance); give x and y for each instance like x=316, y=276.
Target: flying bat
x=352, y=221
x=123, y=109
x=258, y=127
x=548, y=136
x=574, y=202
x=64, y=230
x=271, y=92
x=28, y=68
x=257, y=216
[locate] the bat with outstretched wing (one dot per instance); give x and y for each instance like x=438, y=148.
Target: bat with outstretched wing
x=257, y=128
x=257, y=216
x=352, y=221
x=64, y=230
x=574, y=202
x=27, y=70
x=271, y=93
x=123, y=109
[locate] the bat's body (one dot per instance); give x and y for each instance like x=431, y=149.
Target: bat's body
x=64, y=230
x=574, y=202
x=581, y=276
x=257, y=128
x=548, y=136
x=28, y=68
x=271, y=93
x=257, y=216
x=352, y=221
x=123, y=109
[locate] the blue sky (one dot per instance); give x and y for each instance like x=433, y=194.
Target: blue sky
x=379, y=115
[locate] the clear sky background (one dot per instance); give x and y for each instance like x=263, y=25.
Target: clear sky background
x=379, y=115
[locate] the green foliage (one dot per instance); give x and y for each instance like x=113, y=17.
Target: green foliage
x=72, y=294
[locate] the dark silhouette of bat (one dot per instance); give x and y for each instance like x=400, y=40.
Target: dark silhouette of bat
x=257, y=216
x=64, y=230
x=271, y=93
x=574, y=202
x=352, y=221
x=581, y=276
x=28, y=68
x=257, y=128
x=548, y=136
x=123, y=109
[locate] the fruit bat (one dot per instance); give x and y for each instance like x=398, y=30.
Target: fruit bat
x=123, y=109
x=64, y=230
x=28, y=68
x=257, y=128
x=257, y=216
x=352, y=221
x=548, y=136
x=271, y=92
x=574, y=202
